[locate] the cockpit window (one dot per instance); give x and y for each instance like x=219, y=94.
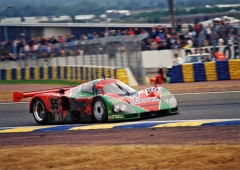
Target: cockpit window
x=75, y=89
x=118, y=88
x=88, y=87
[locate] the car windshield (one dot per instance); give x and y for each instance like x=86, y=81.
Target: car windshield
x=192, y=59
x=118, y=88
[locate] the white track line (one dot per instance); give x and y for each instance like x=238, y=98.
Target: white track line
x=207, y=93
x=195, y=120
x=14, y=103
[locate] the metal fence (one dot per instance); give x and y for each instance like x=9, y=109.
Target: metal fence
x=117, y=51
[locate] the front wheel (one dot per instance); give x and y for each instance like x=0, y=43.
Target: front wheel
x=99, y=110
x=39, y=111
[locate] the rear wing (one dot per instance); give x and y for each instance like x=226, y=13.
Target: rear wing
x=18, y=96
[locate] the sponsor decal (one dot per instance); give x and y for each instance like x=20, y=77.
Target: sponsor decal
x=155, y=89
x=110, y=117
x=74, y=105
x=118, y=116
x=229, y=51
x=54, y=104
x=165, y=94
x=115, y=100
x=138, y=101
x=134, y=96
x=58, y=116
x=150, y=105
x=149, y=90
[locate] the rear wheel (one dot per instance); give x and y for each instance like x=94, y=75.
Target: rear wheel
x=99, y=110
x=39, y=111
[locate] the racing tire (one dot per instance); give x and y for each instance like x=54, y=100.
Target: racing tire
x=40, y=113
x=99, y=110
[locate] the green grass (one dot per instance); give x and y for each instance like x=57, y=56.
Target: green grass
x=64, y=82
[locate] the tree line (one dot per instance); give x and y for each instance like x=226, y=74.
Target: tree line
x=36, y=8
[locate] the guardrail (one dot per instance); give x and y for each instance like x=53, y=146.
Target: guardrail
x=208, y=71
x=86, y=73
x=116, y=51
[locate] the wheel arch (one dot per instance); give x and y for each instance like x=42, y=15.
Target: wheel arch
x=104, y=102
x=42, y=98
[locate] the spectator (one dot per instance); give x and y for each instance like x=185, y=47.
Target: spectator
x=119, y=33
x=201, y=35
x=165, y=32
x=190, y=42
x=95, y=35
x=148, y=44
x=161, y=74
x=143, y=31
x=83, y=37
x=12, y=57
x=179, y=26
x=162, y=45
x=189, y=26
x=136, y=31
x=2, y=58
x=235, y=40
x=160, y=30
x=15, y=43
x=60, y=39
x=169, y=41
x=177, y=60
x=228, y=25
x=154, y=44
x=160, y=38
x=20, y=45
x=105, y=34
x=161, y=33
x=208, y=32
x=220, y=41
x=197, y=28
x=154, y=32
x=130, y=32
x=222, y=28
x=89, y=36
x=53, y=40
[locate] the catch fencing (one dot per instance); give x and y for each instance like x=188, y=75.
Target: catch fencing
x=116, y=51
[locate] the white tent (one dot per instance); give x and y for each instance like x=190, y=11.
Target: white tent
x=232, y=20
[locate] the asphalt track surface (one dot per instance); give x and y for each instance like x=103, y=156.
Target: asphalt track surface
x=192, y=106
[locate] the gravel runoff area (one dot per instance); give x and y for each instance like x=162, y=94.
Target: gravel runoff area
x=163, y=148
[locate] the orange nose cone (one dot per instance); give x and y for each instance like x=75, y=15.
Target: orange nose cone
x=151, y=94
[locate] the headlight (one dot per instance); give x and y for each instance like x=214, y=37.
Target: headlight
x=116, y=108
x=171, y=101
x=122, y=107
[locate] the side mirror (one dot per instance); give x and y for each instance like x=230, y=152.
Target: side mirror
x=153, y=80
x=62, y=91
x=99, y=89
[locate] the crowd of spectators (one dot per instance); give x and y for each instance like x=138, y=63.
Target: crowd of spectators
x=220, y=32
x=193, y=35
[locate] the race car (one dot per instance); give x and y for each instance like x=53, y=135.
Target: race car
x=100, y=100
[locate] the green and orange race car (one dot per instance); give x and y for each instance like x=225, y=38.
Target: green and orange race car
x=100, y=100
